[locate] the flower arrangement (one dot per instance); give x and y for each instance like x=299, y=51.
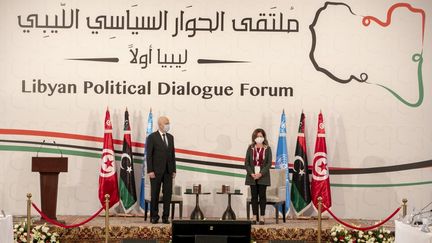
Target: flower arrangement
x=339, y=234
x=39, y=234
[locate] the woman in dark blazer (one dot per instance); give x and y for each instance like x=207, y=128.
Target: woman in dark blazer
x=258, y=162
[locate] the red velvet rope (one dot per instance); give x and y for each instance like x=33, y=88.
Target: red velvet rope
x=62, y=225
x=362, y=228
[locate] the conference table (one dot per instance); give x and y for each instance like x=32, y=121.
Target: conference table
x=229, y=212
x=6, y=229
x=406, y=233
x=197, y=214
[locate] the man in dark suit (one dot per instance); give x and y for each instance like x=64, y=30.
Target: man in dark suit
x=161, y=168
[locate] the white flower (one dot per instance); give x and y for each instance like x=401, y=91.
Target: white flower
x=380, y=236
x=333, y=233
x=45, y=228
x=370, y=232
x=21, y=229
x=335, y=239
x=23, y=239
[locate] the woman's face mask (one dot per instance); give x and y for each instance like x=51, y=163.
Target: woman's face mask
x=259, y=140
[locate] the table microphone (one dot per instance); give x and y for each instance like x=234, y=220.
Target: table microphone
x=417, y=214
x=37, y=152
x=61, y=153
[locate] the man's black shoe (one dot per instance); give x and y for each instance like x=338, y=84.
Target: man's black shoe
x=165, y=221
x=154, y=221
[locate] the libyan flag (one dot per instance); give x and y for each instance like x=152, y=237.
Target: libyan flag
x=300, y=187
x=127, y=179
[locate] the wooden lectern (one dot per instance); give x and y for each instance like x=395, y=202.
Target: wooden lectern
x=49, y=169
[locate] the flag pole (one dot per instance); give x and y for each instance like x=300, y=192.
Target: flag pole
x=319, y=218
x=29, y=195
x=107, y=199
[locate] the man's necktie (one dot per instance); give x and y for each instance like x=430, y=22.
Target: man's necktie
x=164, y=139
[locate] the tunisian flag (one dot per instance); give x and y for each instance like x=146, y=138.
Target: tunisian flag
x=107, y=175
x=320, y=172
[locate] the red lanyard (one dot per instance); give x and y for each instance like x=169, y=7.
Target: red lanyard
x=258, y=155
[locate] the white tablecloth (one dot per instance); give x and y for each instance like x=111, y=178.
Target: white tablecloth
x=6, y=229
x=407, y=233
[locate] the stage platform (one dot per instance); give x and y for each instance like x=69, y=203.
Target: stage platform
x=304, y=230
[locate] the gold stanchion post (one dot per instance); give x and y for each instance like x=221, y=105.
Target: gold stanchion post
x=107, y=199
x=319, y=218
x=404, y=207
x=29, y=195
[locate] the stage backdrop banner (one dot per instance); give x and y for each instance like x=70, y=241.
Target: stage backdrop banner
x=218, y=70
